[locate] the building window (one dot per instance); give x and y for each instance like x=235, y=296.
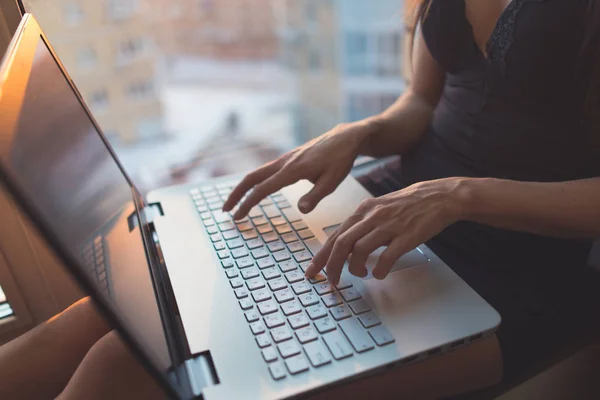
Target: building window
x=140, y=91
x=121, y=9
x=99, y=101
x=132, y=48
x=73, y=13
x=373, y=54
x=86, y=57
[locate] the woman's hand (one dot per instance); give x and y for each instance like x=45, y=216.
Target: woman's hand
x=325, y=161
x=401, y=221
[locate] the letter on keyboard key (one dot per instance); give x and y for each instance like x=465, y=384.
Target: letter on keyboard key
x=359, y=306
x=274, y=320
x=381, y=335
x=296, y=364
x=269, y=354
x=246, y=304
x=252, y=316
x=357, y=335
x=280, y=334
x=249, y=273
x=350, y=294
x=265, y=262
x=323, y=288
x=317, y=353
x=292, y=215
x=288, y=349
x=301, y=288
x=306, y=335
x=271, y=273
x=257, y=327
x=241, y=293
x=245, y=262
x=277, y=370
x=231, y=273
x=287, y=266
x=294, y=276
x=291, y=308
x=298, y=321
x=302, y=256
x=267, y=307
x=341, y=312
x=325, y=325
x=308, y=299
x=277, y=284
x=255, y=283
x=261, y=295
x=332, y=299
x=284, y=295
x=236, y=283
x=369, y=319
x=338, y=345
x=317, y=311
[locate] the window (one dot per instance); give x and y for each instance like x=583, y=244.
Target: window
x=373, y=53
x=140, y=90
x=86, y=57
x=99, y=101
x=73, y=13
x=121, y=9
x=130, y=49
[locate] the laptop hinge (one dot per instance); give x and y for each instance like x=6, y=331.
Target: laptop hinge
x=201, y=372
x=153, y=211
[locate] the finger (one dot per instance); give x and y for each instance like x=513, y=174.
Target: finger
x=343, y=246
x=249, y=181
x=272, y=184
x=324, y=186
x=363, y=249
x=397, y=248
x=320, y=259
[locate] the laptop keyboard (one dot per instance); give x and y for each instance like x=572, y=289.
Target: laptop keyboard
x=298, y=323
x=93, y=259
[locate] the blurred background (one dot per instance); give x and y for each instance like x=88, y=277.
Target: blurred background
x=191, y=89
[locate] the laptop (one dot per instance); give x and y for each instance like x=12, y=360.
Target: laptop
x=213, y=308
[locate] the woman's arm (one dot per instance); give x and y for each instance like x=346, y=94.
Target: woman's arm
x=562, y=209
x=400, y=126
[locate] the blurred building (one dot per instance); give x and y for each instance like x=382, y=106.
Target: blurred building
x=347, y=55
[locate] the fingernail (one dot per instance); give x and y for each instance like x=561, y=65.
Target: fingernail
x=304, y=206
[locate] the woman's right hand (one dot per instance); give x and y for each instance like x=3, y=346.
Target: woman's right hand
x=325, y=161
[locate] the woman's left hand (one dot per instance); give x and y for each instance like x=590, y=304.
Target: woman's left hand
x=400, y=220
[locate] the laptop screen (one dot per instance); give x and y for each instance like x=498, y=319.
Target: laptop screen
x=62, y=165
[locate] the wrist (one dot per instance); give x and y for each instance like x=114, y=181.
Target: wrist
x=366, y=130
x=463, y=197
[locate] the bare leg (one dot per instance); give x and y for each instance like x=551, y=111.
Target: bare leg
x=110, y=371
x=39, y=363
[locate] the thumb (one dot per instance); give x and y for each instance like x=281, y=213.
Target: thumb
x=324, y=187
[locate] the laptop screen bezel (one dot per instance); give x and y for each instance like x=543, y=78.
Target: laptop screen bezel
x=15, y=70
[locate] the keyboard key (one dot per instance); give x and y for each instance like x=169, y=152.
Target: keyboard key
x=282, y=229
x=281, y=256
x=278, y=221
x=267, y=307
x=320, y=277
x=264, y=229
x=304, y=266
x=246, y=304
x=241, y=293
x=291, y=308
x=292, y=215
x=291, y=238
x=309, y=299
x=350, y=294
x=212, y=199
x=296, y=364
x=298, y=320
x=220, y=216
x=266, y=202
x=261, y=252
x=271, y=273
x=271, y=211
x=223, y=254
x=283, y=204
x=209, y=222
x=341, y=312
x=254, y=284
x=288, y=349
x=274, y=320
x=261, y=295
x=216, y=206
x=323, y=288
x=244, y=226
x=306, y=335
x=227, y=263
x=252, y=234
x=357, y=336
x=212, y=230
x=359, y=306
x=381, y=335
x=236, y=283
x=294, y=276
x=252, y=316
x=270, y=237
x=302, y=256
x=257, y=327
x=344, y=283
x=277, y=284
x=276, y=246
x=254, y=243
x=263, y=340
x=305, y=234
x=317, y=353
x=245, y=262
x=255, y=212
x=281, y=334
x=216, y=237
x=249, y=273
x=287, y=266
x=226, y=226
x=238, y=253
x=301, y=288
x=299, y=225
x=205, y=215
x=260, y=221
x=231, y=273
x=369, y=319
x=337, y=345
x=325, y=325
x=202, y=209
x=332, y=299
x=284, y=295
x=235, y=243
x=277, y=370
x=295, y=247
x=269, y=354
x=266, y=262
x=317, y=311
x=230, y=235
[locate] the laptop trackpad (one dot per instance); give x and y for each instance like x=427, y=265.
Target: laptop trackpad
x=410, y=259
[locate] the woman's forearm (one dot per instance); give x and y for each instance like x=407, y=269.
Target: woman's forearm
x=398, y=128
x=563, y=209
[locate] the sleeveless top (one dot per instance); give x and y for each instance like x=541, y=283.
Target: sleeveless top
x=516, y=114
